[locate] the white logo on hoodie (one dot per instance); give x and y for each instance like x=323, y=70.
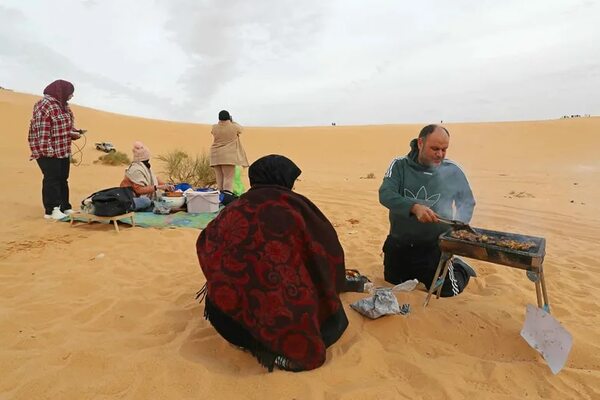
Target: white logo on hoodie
x=422, y=197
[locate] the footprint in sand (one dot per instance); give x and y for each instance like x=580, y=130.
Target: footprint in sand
x=519, y=195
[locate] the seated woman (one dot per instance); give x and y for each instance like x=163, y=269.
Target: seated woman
x=274, y=269
x=141, y=179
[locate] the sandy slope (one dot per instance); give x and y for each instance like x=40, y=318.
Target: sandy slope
x=127, y=326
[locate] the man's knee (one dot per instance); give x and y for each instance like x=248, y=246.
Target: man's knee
x=456, y=281
x=141, y=203
x=392, y=261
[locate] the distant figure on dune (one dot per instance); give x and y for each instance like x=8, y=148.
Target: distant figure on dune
x=417, y=189
x=274, y=269
x=140, y=177
x=226, y=152
x=51, y=130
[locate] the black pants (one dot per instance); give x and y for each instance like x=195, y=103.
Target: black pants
x=403, y=262
x=55, y=185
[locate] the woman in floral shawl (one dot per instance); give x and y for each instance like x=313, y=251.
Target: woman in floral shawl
x=274, y=268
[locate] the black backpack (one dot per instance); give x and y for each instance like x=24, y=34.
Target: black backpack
x=113, y=201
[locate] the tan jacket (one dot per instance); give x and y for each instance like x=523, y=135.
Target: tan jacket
x=227, y=148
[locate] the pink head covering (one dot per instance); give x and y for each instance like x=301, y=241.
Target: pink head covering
x=140, y=152
x=60, y=90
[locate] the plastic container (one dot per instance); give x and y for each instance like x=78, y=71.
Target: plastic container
x=202, y=202
x=174, y=202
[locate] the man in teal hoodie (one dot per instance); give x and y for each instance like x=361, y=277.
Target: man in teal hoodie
x=417, y=189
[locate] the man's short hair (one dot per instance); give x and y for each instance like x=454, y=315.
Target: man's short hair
x=428, y=130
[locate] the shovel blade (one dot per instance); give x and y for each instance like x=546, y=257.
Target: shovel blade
x=547, y=336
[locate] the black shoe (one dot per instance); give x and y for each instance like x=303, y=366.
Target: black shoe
x=468, y=269
x=228, y=197
x=286, y=364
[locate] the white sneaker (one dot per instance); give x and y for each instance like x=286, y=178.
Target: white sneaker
x=47, y=216
x=69, y=211
x=57, y=214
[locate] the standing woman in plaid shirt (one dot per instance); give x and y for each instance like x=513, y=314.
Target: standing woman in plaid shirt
x=50, y=134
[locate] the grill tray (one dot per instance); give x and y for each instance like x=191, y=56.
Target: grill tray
x=530, y=260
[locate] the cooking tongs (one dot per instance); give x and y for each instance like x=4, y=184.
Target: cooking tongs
x=457, y=225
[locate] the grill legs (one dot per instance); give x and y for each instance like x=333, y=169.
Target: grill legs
x=536, y=276
x=544, y=293
x=439, y=277
x=538, y=292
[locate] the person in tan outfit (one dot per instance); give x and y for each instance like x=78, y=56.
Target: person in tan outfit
x=226, y=151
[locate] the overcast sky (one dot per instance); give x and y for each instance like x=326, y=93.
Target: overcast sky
x=310, y=62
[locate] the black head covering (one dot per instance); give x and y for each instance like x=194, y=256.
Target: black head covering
x=274, y=170
x=224, y=115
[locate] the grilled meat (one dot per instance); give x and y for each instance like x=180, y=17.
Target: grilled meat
x=496, y=241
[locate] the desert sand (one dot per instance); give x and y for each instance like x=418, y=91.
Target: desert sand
x=127, y=326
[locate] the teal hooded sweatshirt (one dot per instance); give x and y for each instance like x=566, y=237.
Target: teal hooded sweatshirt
x=444, y=189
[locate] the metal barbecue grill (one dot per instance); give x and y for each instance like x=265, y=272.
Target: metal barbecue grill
x=530, y=260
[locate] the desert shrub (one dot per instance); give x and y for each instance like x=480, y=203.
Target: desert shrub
x=114, y=158
x=370, y=175
x=179, y=167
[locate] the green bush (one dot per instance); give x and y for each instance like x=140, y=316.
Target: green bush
x=114, y=158
x=181, y=167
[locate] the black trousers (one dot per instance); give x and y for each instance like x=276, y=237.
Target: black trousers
x=55, y=185
x=404, y=261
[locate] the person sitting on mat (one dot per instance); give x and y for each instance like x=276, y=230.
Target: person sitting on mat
x=417, y=189
x=140, y=177
x=274, y=269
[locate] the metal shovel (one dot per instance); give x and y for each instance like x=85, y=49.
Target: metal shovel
x=547, y=336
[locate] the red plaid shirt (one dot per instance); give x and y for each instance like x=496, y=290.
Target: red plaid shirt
x=50, y=129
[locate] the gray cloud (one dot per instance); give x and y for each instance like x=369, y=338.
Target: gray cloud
x=45, y=65
x=224, y=38
x=303, y=63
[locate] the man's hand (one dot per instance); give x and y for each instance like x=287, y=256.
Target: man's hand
x=423, y=213
x=166, y=187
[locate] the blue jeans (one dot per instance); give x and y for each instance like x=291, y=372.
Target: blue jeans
x=142, y=204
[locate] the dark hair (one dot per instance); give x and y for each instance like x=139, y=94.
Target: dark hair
x=428, y=130
x=224, y=115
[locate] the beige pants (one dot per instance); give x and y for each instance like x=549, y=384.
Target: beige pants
x=224, y=175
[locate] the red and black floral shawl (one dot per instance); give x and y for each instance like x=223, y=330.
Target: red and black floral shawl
x=274, y=264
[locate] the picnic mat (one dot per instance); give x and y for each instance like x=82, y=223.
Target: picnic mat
x=176, y=220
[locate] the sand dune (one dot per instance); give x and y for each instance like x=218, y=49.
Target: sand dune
x=126, y=325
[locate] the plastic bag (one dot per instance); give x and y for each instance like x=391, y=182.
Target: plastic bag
x=161, y=207
x=406, y=286
x=383, y=302
x=238, y=185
